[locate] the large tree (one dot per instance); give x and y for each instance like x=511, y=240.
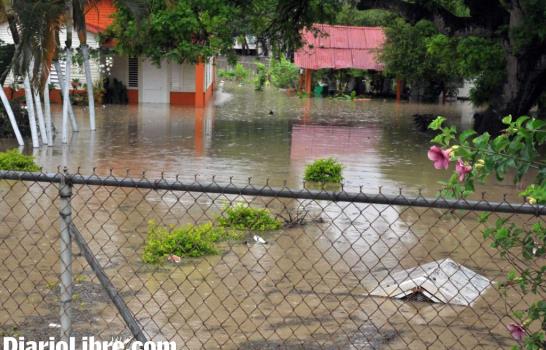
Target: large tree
x=189, y=30
x=514, y=30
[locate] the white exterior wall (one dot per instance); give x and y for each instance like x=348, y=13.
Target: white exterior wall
x=182, y=77
x=208, y=73
x=77, y=71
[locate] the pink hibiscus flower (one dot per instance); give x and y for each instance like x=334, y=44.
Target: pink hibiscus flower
x=517, y=331
x=439, y=157
x=462, y=169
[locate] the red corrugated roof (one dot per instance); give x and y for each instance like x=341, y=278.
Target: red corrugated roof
x=99, y=16
x=340, y=47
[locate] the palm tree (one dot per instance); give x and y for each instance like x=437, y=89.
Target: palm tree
x=79, y=25
x=60, y=77
x=68, y=51
x=40, y=116
x=30, y=111
x=33, y=24
x=47, y=108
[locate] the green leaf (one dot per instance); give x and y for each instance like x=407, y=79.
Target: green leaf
x=465, y=135
x=436, y=124
x=483, y=217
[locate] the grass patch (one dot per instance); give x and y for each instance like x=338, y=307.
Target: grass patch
x=15, y=160
x=324, y=171
x=243, y=217
x=183, y=241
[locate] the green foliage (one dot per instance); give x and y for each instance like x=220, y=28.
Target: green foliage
x=243, y=217
x=478, y=59
x=348, y=15
x=515, y=151
x=181, y=31
x=284, y=74
x=21, y=117
x=238, y=73
x=324, y=171
x=184, y=241
x=6, y=55
x=261, y=76
x=227, y=74
x=407, y=55
x=424, y=58
x=15, y=160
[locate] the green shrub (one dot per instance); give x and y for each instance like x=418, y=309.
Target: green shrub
x=284, y=74
x=226, y=74
x=241, y=73
x=184, y=241
x=243, y=217
x=324, y=171
x=261, y=76
x=237, y=72
x=15, y=160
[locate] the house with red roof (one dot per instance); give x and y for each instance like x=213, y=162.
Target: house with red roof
x=170, y=83
x=338, y=47
x=173, y=83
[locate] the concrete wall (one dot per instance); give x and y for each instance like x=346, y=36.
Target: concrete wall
x=181, y=80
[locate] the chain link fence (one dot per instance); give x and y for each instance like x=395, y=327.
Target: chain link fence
x=334, y=276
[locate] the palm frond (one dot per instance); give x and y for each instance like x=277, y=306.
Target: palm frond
x=37, y=21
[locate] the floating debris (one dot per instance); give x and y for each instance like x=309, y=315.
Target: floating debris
x=441, y=281
x=175, y=259
x=259, y=239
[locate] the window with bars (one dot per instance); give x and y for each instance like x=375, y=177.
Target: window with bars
x=133, y=72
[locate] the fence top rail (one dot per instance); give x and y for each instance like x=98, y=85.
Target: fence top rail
x=284, y=192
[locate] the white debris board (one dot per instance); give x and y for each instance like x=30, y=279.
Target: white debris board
x=442, y=281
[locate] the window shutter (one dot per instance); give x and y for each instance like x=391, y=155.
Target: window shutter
x=133, y=72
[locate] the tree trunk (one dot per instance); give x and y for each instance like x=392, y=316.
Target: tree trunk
x=60, y=77
x=11, y=117
x=30, y=110
x=40, y=116
x=89, y=81
x=47, y=107
x=525, y=82
x=66, y=97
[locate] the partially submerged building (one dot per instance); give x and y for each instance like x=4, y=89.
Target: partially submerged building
x=338, y=47
x=170, y=82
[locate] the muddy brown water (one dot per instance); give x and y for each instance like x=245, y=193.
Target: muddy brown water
x=308, y=286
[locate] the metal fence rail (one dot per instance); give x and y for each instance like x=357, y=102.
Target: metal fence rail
x=314, y=284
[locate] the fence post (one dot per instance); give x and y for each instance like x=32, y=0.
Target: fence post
x=65, y=194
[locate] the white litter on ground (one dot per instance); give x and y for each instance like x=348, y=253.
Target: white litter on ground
x=259, y=239
x=441, y=281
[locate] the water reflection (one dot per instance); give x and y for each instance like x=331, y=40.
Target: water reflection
x=261, y=135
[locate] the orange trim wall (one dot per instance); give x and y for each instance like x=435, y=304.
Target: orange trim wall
x=200, y=84
x=132, y=96
x=182, y=98
x=186, y=98
x=54, y=94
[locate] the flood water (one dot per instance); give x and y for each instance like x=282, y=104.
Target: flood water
x=308, y=286
x=263, y=135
